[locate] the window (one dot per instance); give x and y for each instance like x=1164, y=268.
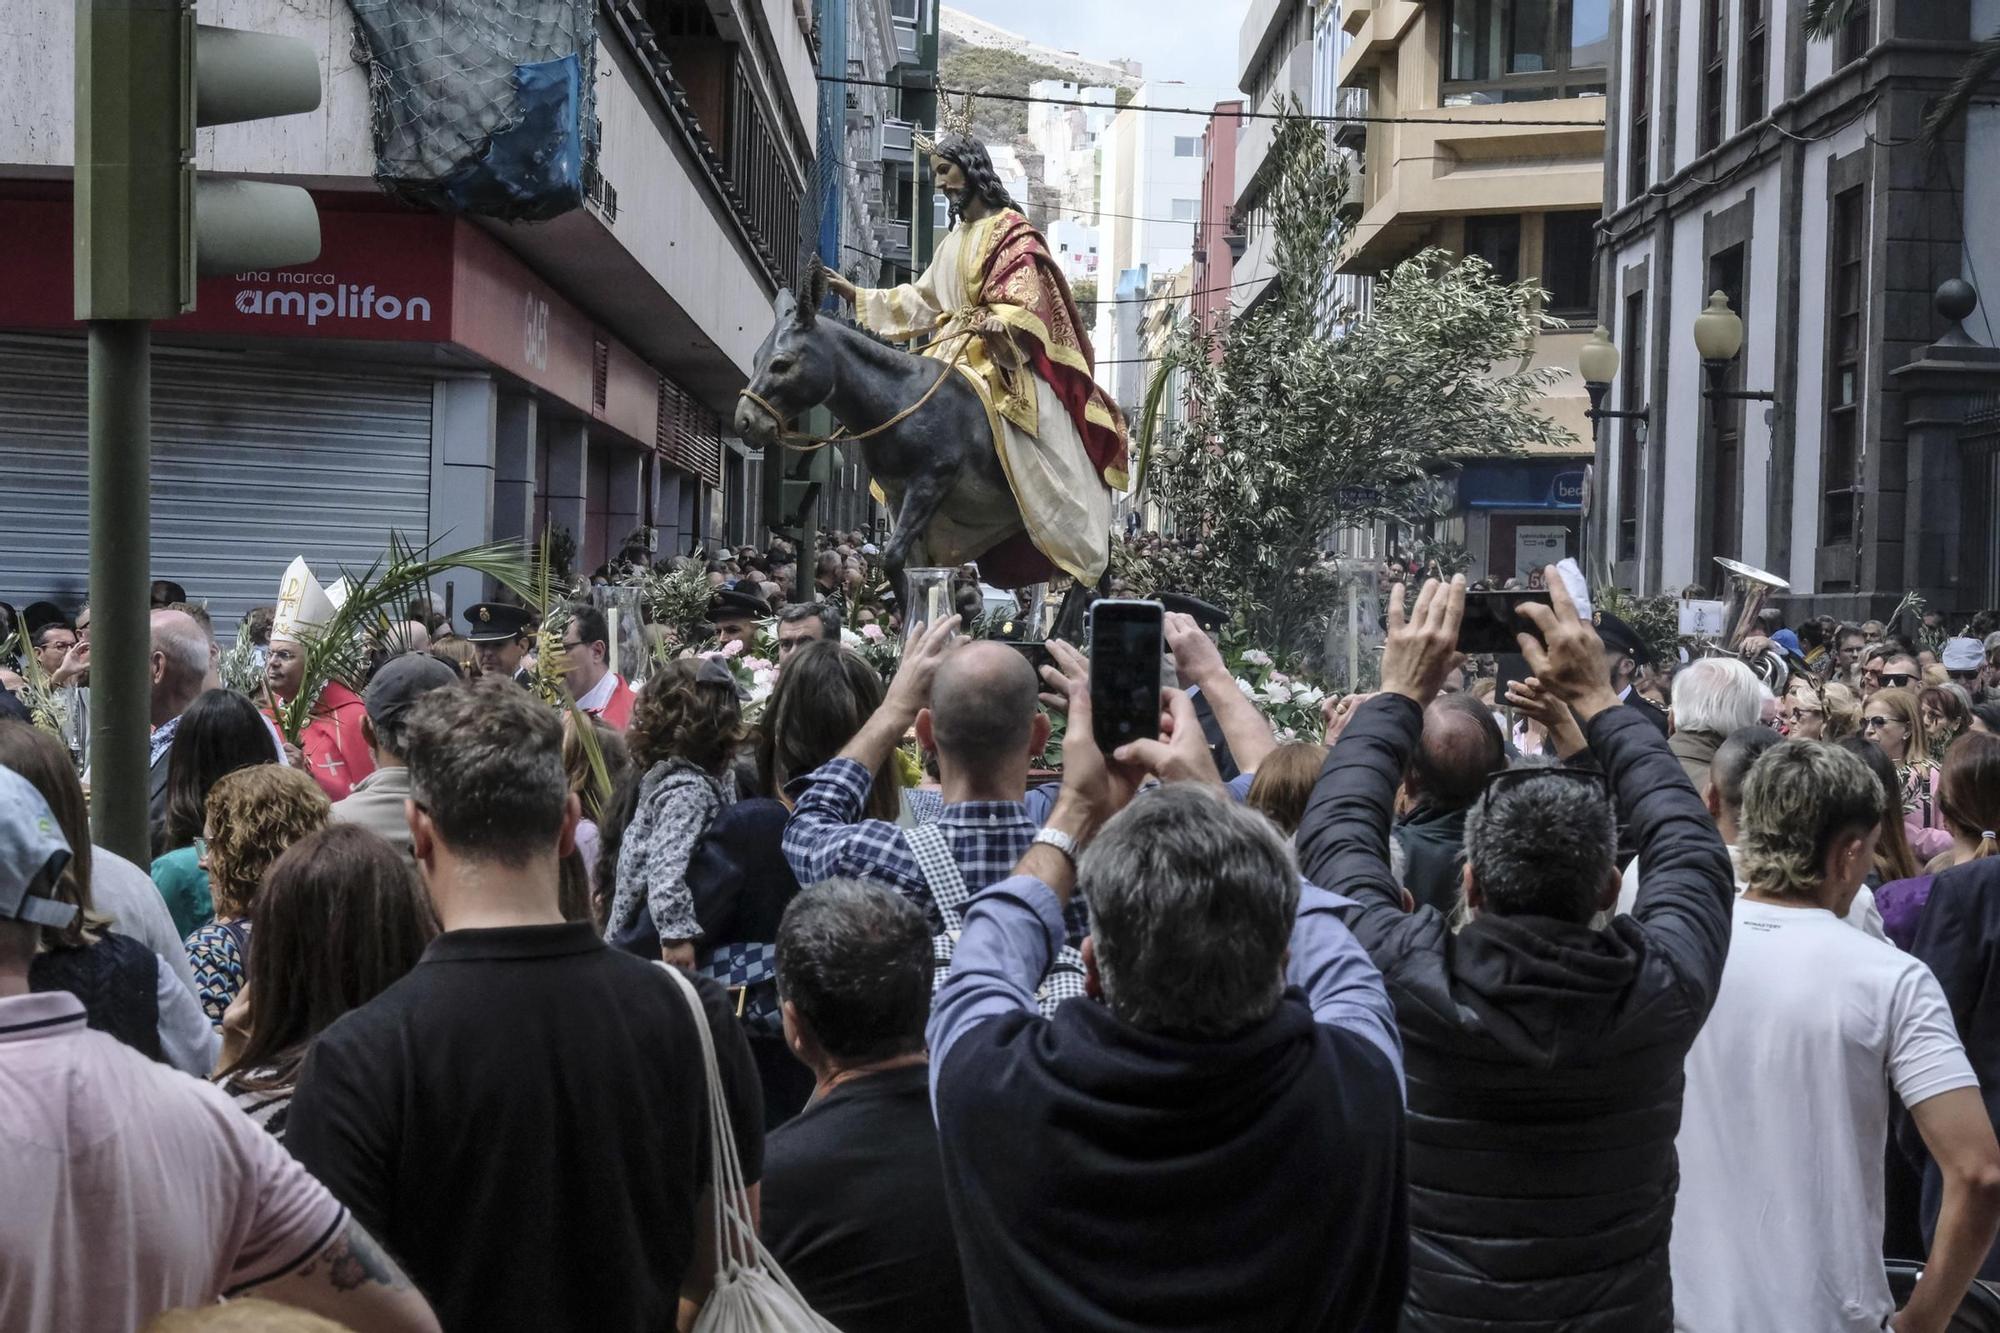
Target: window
x=1714, y=72
x=1187, y=210
x=1722, y=421
x=1187, y=145
x=1857, y=32
x=1641, y=150
x=1631, y=454
x=1840, y=462
x=1756, y=61
x=1569, y=263
x=1496, y=239
x=1525, y=50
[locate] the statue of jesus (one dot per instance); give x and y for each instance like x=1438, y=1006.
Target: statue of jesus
x=1060, y=437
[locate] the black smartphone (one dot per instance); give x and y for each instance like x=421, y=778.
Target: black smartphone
x=1492, y=619
x=1127, y=645
x=1036, y=653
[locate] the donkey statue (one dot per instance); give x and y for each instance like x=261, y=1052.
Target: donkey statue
x=920, y=426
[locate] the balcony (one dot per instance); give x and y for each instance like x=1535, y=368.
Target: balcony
x=1351, y=134
x=896, y=143
x=906, y=44
x=895, y=234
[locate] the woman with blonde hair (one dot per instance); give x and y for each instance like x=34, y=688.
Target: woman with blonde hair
x=252, y=817
x=1843, y=711
x=1894, y=721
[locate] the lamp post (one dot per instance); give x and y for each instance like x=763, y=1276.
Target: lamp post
x=1597, y=362
x=1718, y=336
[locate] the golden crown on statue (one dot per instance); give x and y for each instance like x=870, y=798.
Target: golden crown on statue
x=954, y=122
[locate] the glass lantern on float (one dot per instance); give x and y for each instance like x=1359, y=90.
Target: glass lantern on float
x=624, y=630
x=929, y=597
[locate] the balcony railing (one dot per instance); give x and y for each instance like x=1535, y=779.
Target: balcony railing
x=896, y=238
x=1348, y=133
x=896, y=141
x=906, y=44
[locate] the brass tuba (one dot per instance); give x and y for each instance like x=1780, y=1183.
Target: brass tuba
x=1749, y=589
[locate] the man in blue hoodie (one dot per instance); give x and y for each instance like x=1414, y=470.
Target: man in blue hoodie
x=1218, y=1145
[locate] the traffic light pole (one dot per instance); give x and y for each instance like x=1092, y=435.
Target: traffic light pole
x=121, y=429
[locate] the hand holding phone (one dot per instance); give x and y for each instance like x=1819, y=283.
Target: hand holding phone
x=1126, y=648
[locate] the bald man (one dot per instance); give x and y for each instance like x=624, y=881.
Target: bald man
x=974, y=706
x=179, y=665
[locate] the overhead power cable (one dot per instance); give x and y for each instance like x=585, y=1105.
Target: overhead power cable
x=1209, y=112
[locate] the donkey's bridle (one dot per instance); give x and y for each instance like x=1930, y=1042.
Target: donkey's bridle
x=807, y=443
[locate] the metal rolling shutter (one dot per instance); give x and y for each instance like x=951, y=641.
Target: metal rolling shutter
x=252, y=465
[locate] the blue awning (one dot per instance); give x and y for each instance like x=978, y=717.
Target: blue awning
x=1522, y=483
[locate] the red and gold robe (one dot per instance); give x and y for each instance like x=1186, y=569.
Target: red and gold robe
x=1060, y=438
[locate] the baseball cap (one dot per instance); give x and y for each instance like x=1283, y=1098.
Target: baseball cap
x=1962, y=655
x=402, y=681
x=32, y=854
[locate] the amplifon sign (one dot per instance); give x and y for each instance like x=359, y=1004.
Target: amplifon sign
x=315, y=296
x=382, y=275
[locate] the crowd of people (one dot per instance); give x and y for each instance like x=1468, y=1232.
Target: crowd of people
x=1606, y=993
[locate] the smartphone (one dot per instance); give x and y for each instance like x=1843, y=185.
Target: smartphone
x=1492, y=620
x=1127, y=645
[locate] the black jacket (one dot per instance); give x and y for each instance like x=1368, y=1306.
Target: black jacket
x=1958, y=934
x=1543, y=1057
x=1433, y=843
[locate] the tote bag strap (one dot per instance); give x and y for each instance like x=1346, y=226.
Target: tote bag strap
x=737, y=1247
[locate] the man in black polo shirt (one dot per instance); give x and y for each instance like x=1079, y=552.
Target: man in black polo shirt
x=521, y=1120
x=854, y=1203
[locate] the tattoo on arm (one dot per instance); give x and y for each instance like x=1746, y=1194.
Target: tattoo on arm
x=355, y=1258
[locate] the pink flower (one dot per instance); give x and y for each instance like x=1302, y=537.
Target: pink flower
x=872, y=633
x=756, y=664
x=732, y=648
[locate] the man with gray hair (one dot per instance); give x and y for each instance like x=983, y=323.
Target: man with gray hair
x=1713, y=697
x=1780, y=1215
x=178, y=664
x=1210, y=1147
x=1544, y=1055
x=802, y=623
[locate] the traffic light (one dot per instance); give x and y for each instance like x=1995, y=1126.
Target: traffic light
x=146, y=77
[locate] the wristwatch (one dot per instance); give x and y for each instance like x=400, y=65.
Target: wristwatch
x=1056, y=838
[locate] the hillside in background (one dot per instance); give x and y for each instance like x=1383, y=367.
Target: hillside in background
x=989, y=69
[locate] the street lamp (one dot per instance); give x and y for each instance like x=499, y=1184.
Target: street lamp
x=1718, y=336
x=1597, y=362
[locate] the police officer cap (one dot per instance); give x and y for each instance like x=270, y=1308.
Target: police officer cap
x=1621, y=636
x=1206, y=614
x=496, y=622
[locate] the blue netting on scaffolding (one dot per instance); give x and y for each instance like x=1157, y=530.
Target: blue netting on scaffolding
x=482, y=106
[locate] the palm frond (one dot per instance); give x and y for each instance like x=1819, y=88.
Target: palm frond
x=1982, y=69
x=1824, y=18
x=338, y=650
x=1149, y=424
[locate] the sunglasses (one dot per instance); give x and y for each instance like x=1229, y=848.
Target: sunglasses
x=1877, y=723
x=1896, y=680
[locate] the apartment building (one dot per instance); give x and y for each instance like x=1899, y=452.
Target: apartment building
x=1502, y=157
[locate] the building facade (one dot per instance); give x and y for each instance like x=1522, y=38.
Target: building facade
x=1502, y=156
x=1784, y=172
x=450, y=378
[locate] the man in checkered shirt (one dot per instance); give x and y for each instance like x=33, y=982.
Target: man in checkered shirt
x=975, y=706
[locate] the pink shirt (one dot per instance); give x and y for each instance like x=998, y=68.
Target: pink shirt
x=130, y=1188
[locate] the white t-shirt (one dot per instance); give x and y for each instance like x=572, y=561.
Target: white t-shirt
x=1779, y=1220
x=1862, y=914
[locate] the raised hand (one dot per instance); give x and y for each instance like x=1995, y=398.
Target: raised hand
x=1182, y=753
x=910, y=691
x=1567, y=658
x=1421, y=650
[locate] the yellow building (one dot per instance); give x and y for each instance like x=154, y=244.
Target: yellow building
x=1505, y=160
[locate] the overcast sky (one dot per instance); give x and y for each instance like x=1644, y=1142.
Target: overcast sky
x=1190, y=40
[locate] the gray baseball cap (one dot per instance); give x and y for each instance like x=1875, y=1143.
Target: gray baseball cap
x=401, y=681
x=32, y=853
